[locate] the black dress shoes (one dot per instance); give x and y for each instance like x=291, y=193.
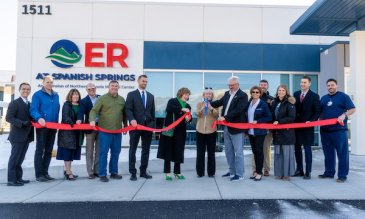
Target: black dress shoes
x=146, y=176
x=133, y=177
x=307, y=176
x=15, y=184
x=298, y=173
x=323, y=176
x=104, y=179
x=41, y=179
x=115, y=176
x=48, y=177
x=24, y=181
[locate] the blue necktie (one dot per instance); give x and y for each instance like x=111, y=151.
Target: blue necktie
x=143, y=99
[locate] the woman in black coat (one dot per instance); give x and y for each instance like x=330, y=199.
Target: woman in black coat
x=283, y=111
x=171, y=146
x=69, y=142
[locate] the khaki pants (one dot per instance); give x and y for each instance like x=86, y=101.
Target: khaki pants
x=267, y=154
x=92, y=152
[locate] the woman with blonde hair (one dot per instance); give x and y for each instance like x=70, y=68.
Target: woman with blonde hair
x=206, y=135
x=283, y=110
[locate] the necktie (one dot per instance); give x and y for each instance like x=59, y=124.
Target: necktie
x=143, y=99
x=301, y=97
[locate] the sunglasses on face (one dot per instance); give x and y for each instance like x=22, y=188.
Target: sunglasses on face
x=208, y=88
x=255, y=92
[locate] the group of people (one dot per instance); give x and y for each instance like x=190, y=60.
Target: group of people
x=112, y=112
x=303, y=107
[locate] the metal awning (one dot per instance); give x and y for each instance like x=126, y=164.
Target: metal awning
x=331, y=18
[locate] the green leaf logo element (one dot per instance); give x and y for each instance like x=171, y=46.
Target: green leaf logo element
x=63, y=57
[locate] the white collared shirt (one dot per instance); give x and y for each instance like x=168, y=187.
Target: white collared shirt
x=25, y=100
x=229, y=101
x=251, y=114
x=303, y=93
x=93, y=99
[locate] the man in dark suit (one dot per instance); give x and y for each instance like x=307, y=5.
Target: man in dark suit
x=92, y=141
x=21, y=133
x=234, y=103
x=308, y=109
x=140, y=109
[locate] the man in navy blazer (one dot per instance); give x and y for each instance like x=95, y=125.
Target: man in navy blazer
x=92, y=142
x=21, y=133
x=234, y=103
x=308, y=109
x=140, y=109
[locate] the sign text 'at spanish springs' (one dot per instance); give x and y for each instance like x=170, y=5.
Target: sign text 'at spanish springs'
x=65, y=53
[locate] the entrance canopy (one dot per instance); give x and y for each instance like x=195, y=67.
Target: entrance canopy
x=331, y=18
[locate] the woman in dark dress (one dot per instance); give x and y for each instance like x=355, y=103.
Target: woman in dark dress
x=69, y=142
x=171, y=146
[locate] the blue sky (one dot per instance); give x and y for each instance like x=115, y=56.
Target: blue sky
x=8, y=22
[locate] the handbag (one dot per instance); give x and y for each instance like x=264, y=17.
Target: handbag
x=169, y=133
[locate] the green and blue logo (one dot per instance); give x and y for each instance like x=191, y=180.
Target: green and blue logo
x=64, y=54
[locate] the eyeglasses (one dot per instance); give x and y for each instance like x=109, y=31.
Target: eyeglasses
x=231, y=85
x=208, y=88
x=89, y=89
x=255, y=92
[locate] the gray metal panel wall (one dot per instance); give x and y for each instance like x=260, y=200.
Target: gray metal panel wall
x=332, y=66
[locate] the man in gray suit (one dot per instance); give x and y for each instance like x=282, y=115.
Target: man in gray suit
x=140, y=109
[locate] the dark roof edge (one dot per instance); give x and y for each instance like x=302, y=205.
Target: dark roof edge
x=311, y=10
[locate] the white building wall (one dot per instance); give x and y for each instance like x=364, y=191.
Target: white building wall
x=133, y=23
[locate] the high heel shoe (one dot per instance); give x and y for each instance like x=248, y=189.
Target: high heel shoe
x=70, y=177
x=179, y=176
x=65, y=173
x=258, y=177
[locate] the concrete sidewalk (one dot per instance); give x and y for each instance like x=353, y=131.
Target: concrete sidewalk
x=192, y=188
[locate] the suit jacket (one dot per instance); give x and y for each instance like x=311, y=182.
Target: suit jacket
x=262, y=114
x=236, y=110
x=83, y=114
x=19, y=118
x=308, y=110
x=136, y=111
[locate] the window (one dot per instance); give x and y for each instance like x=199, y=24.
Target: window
x=161, y=86
x=248, y=80
x=275, y=80
x=297, y=79
x=193, y=81
x=164, y=85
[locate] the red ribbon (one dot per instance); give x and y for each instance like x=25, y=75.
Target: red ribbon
x=85, y=126
x=278, y=126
